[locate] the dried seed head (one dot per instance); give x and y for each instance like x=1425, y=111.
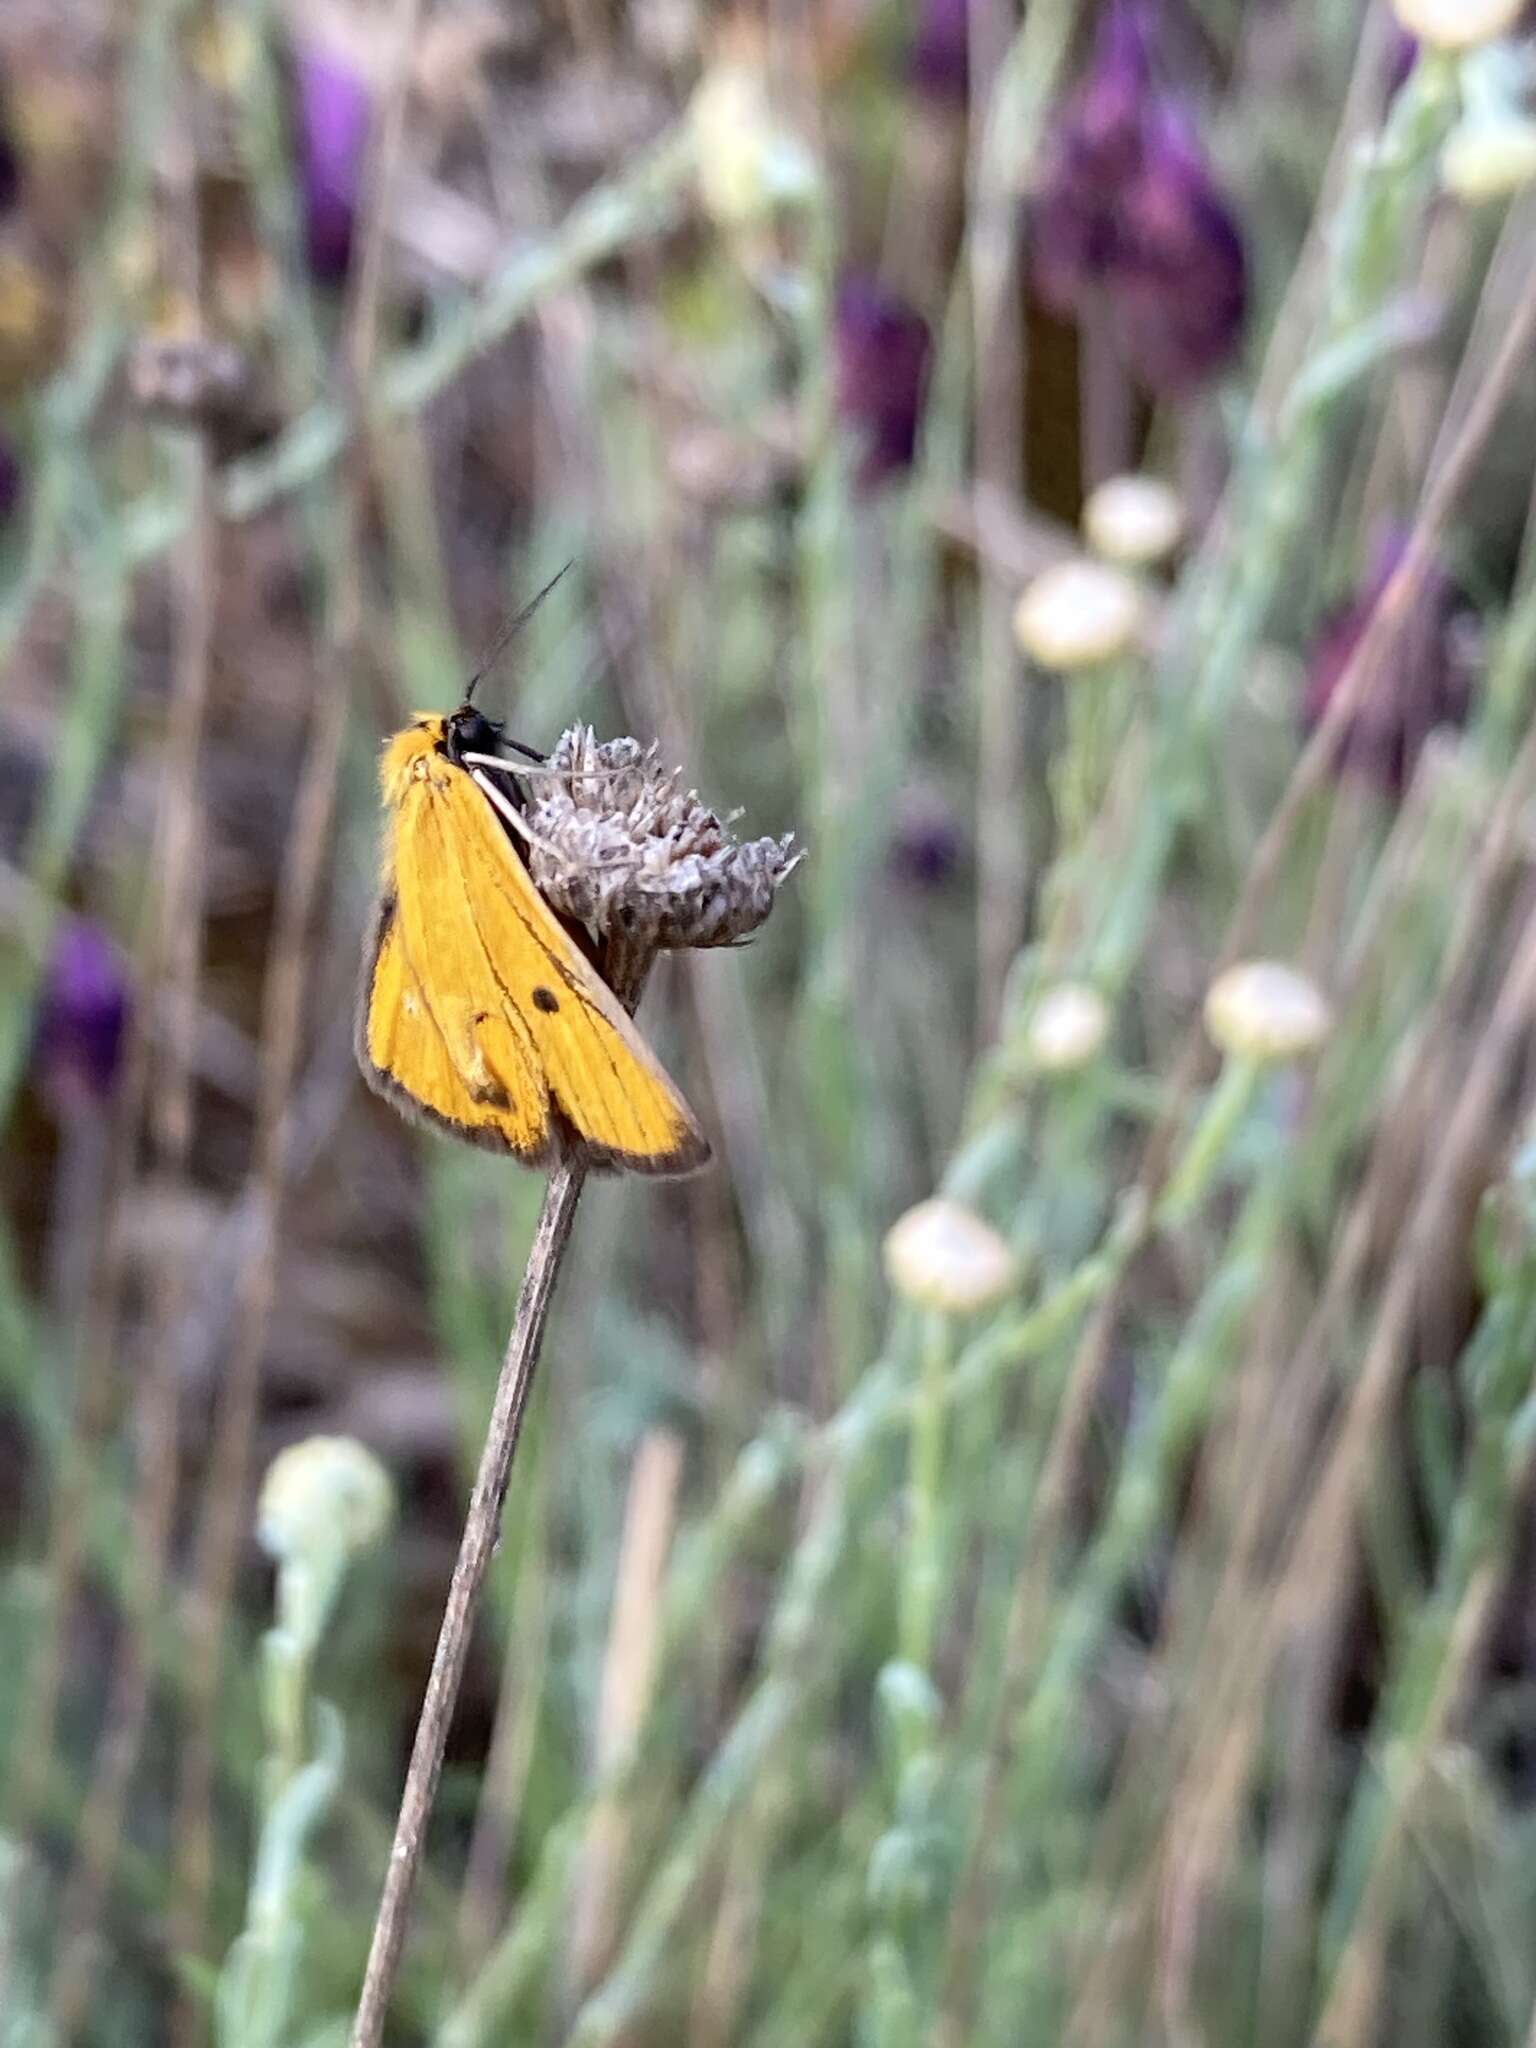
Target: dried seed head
x=621, y=847
x=1066, y=1028
x=325, y=1493
x=1458, y=24
x=1078, y=615
x=942, y=1256
x=1264, y=1011
x=1134, y=520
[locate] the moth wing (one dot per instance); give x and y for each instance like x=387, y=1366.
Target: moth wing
x=522, y=1002
x=405, y=1057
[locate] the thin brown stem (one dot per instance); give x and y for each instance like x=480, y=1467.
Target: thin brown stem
x=482, y=1530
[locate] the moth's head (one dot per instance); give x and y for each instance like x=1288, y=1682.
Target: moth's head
x=468, y=731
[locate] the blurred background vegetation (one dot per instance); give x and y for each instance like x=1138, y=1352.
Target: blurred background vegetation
x=1036, y=1546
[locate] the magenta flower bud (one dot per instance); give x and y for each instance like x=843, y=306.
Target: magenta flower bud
x=1128, y=218
x=939, y=55
x=83, y=1016
x=335, y=110
x=1424, y=681
x=882, y=349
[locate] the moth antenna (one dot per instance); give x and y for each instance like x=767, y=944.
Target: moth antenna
x=507, y=631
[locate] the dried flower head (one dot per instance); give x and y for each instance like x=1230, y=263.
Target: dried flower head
x=1424, y=681
x=83, y=1017
x=1263, y=1011
x=1128, y=216
x=1134, y=520
x=1078, y=615
x=942, y=1256
x=882, y=372
x=624, y=849
x=1066, y=1028
x=325, y=1493
x=1458, y=24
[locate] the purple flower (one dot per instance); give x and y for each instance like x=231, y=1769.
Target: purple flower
x=882, y=371
x=926, y=847
x=939, y=55
x=12, y=480
x=10, y=162
x=1128, y=217
x=83, y=1016
x=335, y=111
x=1424, y=681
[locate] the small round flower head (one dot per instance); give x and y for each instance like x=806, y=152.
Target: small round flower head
x=1262, y=1011
x=882, y=371
x=1492, y=160
x=335, y=112
x=749, y=163
x=1134, y=520
x=83, y=1016
x=324, y=1493
x=1078, y=615
x=1491, y=152
x=617, y=844
x=1066, y=1028
x=1458, y=24
x=942, y=1256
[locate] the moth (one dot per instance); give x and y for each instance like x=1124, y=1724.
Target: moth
x=482, y=1012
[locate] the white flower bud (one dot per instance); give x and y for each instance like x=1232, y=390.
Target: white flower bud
x=1458, y=24
x=327, y=1492
x=1066, y=1028
x=1134, y=520
x=748, y=162
x=1489, y=160
x=1262, y=1011
x=1078, y=615
x=942, y=1256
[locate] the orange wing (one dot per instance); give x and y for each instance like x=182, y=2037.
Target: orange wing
x=482, y=1012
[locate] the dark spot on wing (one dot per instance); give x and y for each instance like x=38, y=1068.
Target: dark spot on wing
x=546, y=1000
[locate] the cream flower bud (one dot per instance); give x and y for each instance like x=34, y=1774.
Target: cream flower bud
x=942, y=1256
x=1066, y=1028
x=1078, y=615
x=1484, y=163
x=1458, y=24
x=327, y=1492
x=1494, y=162
x=1262, y=1011
x=748, y=162
x=1134, y=520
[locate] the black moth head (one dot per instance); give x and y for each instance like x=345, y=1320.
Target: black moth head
x=468, y=731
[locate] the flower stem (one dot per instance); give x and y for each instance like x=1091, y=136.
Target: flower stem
x=919, y=1603
x=482, y=1527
